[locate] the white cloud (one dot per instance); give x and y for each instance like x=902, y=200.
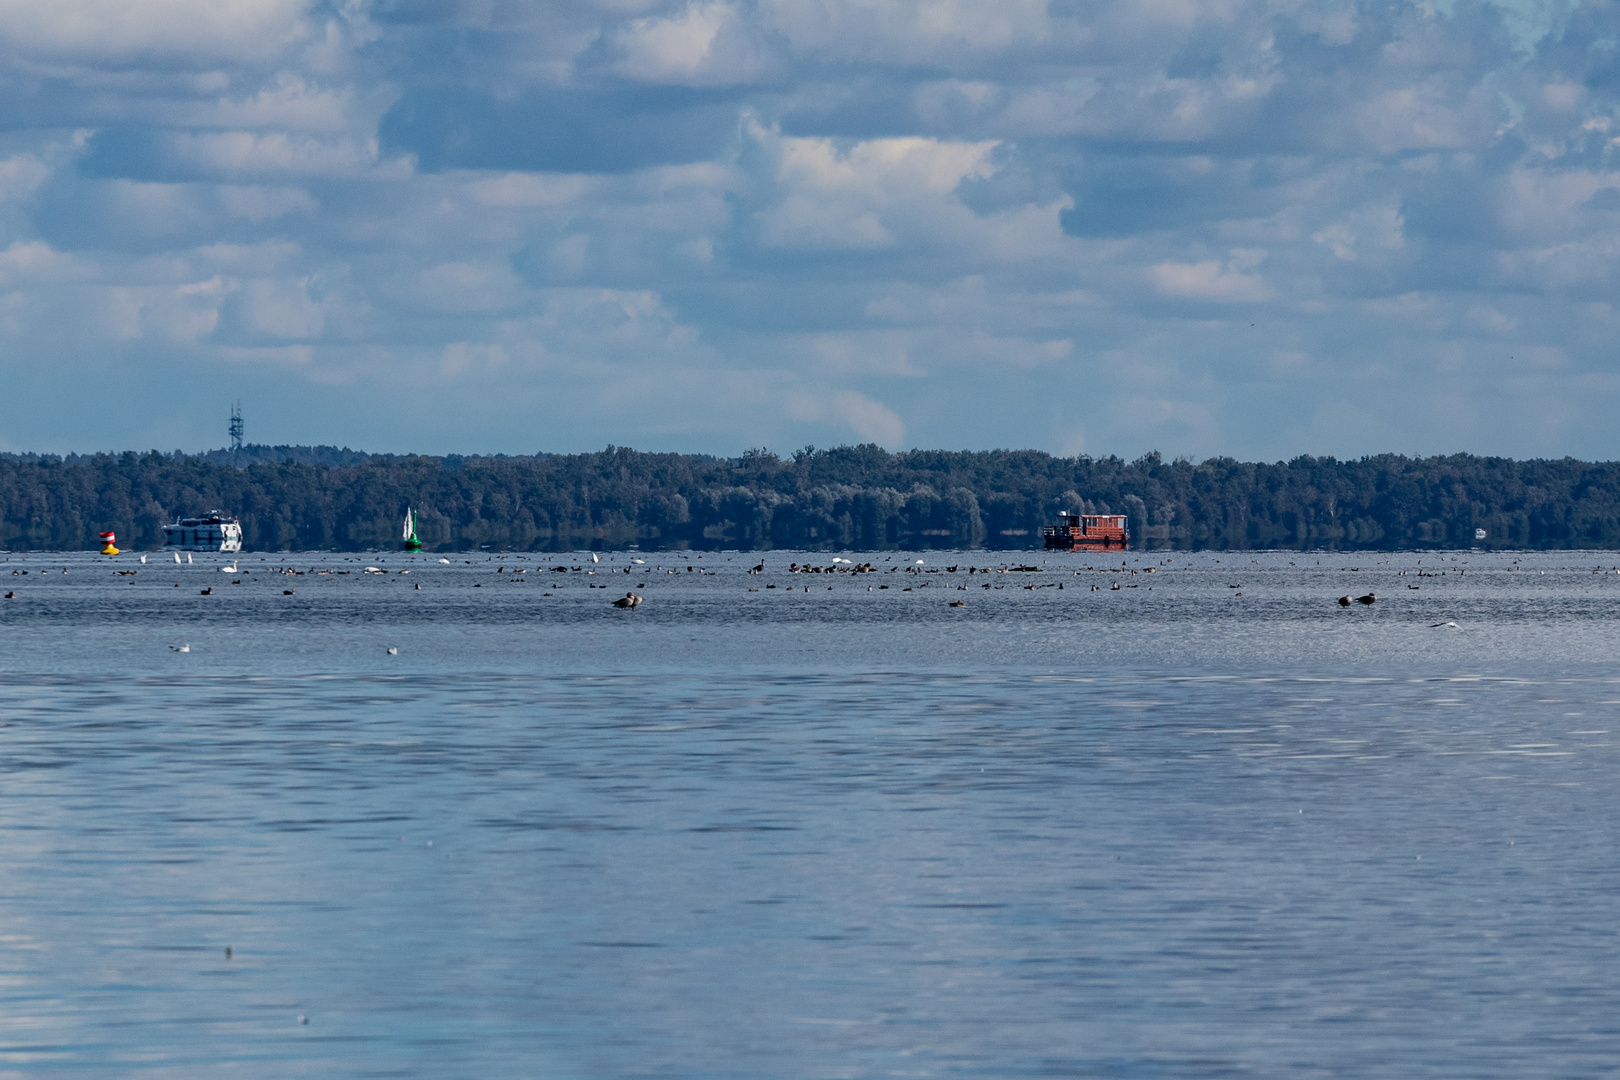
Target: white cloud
x=698, y=45
x=283, y=309
x=907, y=31
x=772, y=215
x=20, y=175
x=532, y=189
x=260, y=204
x=869, y=420
x=290, y=104
x=1207, y=280
x=28, y=262
x=177, y=313
x=465, y=286
x=104, y=30
x=247, y=154
x=862, y=196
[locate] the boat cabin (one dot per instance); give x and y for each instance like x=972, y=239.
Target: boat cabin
x=212, y=532
x=1088, y=532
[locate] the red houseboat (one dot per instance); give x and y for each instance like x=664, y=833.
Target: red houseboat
x=1088, y=532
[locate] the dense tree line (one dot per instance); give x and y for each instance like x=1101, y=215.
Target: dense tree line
x=851, y=497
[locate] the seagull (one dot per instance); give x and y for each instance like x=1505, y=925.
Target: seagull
x=639, y=562
x=1438, y=625
x=181, y=648
x=143, y=560
x=392, y=651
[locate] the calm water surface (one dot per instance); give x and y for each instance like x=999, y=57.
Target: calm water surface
x=1208, y=824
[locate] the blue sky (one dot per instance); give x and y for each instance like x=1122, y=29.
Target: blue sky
x=1255, y=229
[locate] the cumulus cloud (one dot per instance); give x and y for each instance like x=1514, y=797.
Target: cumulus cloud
x=1209, y=280
x=708, y=224
x=193, y=31
x=869, y=194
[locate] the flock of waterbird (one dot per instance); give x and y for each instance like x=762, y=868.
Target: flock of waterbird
x=838, y=565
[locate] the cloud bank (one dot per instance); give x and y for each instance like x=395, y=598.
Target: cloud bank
x=1254, y=227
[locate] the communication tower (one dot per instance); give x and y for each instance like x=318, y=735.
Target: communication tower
x=236, y=427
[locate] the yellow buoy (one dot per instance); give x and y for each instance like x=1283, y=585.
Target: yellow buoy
x=107, y=547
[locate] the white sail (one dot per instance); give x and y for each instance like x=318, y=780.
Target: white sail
x=410, y=526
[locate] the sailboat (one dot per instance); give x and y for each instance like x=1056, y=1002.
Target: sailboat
x=411, y=542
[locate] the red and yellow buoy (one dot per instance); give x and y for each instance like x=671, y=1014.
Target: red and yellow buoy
x=107, y=547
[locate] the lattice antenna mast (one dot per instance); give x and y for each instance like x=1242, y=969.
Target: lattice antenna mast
x=236, y=428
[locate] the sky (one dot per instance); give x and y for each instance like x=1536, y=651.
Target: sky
x=1252, y=228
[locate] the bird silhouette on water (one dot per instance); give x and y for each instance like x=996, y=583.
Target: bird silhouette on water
x=628, y=600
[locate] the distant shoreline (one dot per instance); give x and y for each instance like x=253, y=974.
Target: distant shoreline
x=846, y=498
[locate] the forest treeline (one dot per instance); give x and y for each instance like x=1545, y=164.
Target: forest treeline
x=851, y=497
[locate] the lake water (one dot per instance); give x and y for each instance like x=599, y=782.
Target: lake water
x=1207, y=824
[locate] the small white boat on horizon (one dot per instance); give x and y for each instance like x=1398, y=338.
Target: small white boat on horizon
x=210, y=532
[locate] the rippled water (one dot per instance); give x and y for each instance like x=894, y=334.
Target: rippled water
x=1161, y=831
